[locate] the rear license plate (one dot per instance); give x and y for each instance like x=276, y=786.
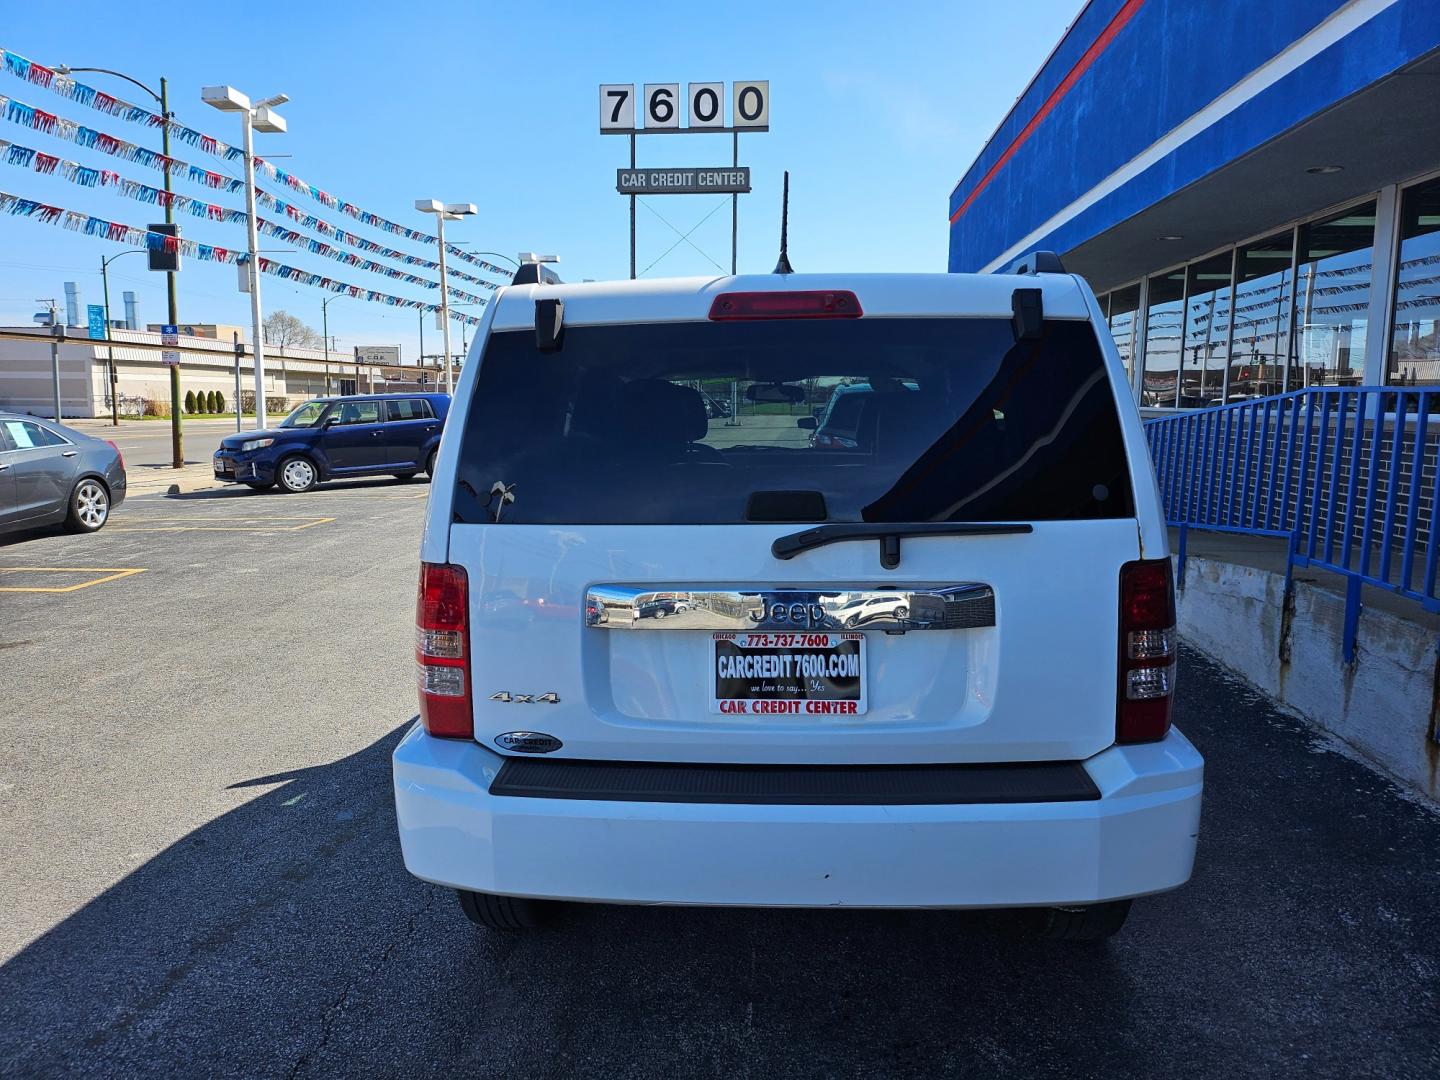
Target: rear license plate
x=787, y=674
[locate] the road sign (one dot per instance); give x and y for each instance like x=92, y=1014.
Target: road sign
x=169, y=358
x=718, y=181
x=169, y=335
x=95, y=314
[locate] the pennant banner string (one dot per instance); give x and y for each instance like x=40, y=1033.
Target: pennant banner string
x=153, y=241
x=24, y=156
x=66, y=87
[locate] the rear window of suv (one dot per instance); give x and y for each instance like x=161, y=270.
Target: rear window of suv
x=720, y=423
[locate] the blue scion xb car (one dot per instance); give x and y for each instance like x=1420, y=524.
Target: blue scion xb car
x=330, y=438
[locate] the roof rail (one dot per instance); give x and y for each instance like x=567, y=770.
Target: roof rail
x=1035, y=262
x=533, y=271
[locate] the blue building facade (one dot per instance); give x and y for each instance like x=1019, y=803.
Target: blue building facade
x=1253, y=190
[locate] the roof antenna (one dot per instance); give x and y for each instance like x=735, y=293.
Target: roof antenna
x=783, y=266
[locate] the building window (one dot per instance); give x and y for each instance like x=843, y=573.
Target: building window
x=1264, y=273
x=1415, y=346
x=1162, y=339
x=1207, y=325
x=1332, y=300
x=1124, y=303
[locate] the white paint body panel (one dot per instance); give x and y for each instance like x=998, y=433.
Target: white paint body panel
x=1138, y=838
x=1039, y=685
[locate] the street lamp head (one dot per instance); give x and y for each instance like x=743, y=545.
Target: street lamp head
x=225, y=98
x=269, y=121
x=272, y=100
x=531, y=257
x=430, y=206
x=460, y=209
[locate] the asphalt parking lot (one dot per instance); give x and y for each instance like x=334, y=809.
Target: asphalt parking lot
x=201, y=874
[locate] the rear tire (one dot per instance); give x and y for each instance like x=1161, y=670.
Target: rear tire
x=430, y=465
x=89, y=506
x=1091, y=922
x=404, y=475
x=504, y=913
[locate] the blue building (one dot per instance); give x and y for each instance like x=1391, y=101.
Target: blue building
x=1252, y=189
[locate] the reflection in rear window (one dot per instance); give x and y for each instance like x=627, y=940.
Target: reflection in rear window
x=884, y=420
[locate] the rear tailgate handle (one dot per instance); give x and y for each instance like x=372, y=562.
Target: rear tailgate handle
x=962, y=606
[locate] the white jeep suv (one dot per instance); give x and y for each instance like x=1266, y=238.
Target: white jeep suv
x=994, y=731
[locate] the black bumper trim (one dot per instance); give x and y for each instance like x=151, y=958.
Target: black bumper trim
x=813, y=785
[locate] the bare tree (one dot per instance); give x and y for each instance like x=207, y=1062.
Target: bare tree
x=283, y=329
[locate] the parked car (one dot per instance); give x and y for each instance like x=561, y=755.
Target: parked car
x=1006, y=743
x=655, y=609
x=337, y=437
x=838, y=423
x=52, y=474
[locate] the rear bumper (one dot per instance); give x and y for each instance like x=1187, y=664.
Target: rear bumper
x=1137, y=838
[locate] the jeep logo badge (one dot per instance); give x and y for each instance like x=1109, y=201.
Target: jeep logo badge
x=796, y=614
x=528, y=742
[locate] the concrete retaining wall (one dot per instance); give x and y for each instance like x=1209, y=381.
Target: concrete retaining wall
x=1384, y=705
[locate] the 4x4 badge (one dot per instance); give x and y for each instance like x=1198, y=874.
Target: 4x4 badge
x=528, y=742
x=551, y=698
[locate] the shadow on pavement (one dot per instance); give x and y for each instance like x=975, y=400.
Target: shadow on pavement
x=363, y=484
x=286, y=936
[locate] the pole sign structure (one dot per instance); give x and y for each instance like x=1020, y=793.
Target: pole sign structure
x=169, y=337
x=659, y=109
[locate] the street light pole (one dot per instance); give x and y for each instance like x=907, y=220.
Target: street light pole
x=177, y=439
x=110, y=343
x=325, y=332
x=444, y=303
x=252, y=269
x=453, y=211
x=259, y=115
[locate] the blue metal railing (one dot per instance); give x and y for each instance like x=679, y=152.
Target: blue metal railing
x=1346, y=475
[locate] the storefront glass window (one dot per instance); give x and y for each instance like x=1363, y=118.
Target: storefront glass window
x=1162, y=339
x=1332, y=300
x=1124, y=303
x=1415, y=347
x=1264, y=276
x=1207, y=321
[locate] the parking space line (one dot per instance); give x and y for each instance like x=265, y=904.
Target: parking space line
x=111, y=573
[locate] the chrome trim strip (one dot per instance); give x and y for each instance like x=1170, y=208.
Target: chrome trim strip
x=963, y=606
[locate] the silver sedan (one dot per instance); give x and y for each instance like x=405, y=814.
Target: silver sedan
x=50, y=473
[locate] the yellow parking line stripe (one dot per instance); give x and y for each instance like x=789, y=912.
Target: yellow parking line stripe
x=111, y=574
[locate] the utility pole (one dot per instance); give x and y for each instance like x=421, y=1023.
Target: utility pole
x=239, y=355
x=177, y=437
x=57, y=335
x=110, y=348
x=177, y=446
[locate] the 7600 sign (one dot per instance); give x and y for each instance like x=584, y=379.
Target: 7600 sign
x=660, y=106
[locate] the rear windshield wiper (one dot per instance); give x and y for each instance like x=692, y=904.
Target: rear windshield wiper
x=889, y=534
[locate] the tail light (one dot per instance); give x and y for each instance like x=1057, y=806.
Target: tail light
x=117, y=453
x=442, y=651
x=1147, y=651
x=814, y=304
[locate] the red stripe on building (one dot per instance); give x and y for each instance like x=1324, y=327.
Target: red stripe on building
x=1098, y=46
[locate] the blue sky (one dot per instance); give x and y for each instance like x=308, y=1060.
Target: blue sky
x=876, y=110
